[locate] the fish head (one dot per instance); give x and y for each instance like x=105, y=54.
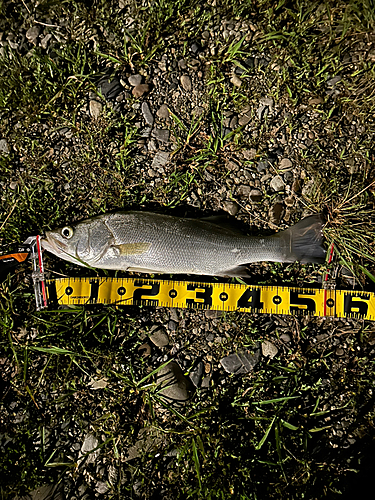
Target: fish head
x=83, y=243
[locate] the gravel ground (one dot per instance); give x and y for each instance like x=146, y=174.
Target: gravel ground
x=197, y=125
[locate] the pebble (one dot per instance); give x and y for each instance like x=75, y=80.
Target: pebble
x=196, y=373
x=243, y=191
x=163, y=112
x=174, y=386
x=144, y=350
x=149, y=441
x=240, y=362
x=135, y=80
x=277, y=183
x=233, y=124
x=98, y=384
x=4, y=148
x=90, y=443
x=141, y=89
x=159, y=338
x=45, y=40
x=161, y=135
x=231, y=207
x=285, y=164
x=161, y=158
x=110, y=89
x=213, y=314
x=269, y=349
x=285, y=337
x=255, y=195
x=332, y=81
x=182, y=64
x=32, y=34
x=147, y=115
x=237, y=82
x=95, y=108
x=195, y=48
x=262, y=165
x=186, y=83
x=101, y=487
x=315, y=101
x=276, y=212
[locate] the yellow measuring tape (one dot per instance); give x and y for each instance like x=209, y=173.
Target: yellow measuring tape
x=216, y=296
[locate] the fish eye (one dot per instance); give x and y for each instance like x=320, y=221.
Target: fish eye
x=67, y=232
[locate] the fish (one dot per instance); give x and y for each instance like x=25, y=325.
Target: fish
x=147, y=242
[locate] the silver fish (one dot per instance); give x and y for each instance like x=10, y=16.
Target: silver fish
x=153, y=243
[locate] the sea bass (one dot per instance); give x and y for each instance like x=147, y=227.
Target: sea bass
x=147, y=242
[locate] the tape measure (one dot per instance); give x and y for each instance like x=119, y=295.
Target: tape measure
x=216, y=296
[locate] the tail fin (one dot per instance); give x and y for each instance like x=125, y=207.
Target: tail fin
x=303, y=241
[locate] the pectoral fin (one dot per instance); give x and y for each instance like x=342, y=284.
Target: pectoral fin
x=132, y=248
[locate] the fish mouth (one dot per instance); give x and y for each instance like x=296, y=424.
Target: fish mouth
x=53, y=245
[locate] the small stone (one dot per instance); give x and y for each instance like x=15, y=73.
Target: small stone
x=95, y=108
x=135, y=80
x=146, y=132
x=285, y=164
x=159, y=338
x=98, y=384
x=213, y=314
x=149, y=441
x=196, y=373
x=333, y=81
x=32, y=34
x=144, y=350
x=262, y=165
x=232, y=165
x=173, y=385
x=256, y=195
x=296, y=186
x=161, y=158
x=147, y=115
x=101, y=487
x=186, y=82
x=110, y=88
x=243, y=191
x=315, y=101
x=182, y=64
x=163, y=112
x=249, y=154
x=276, y=212
x=285, y=337
x=44, y=42
x=172, y=325
x=197, y=111
x=90, y=443
x=240, y=362
x=277, y=183
x=231, y=207
x=195, y=48
x=4, y=148
x=289, y=201
x=161, y=135
x=269, y=349
x=141, y=89
x=236, y=81
x=13, y=185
